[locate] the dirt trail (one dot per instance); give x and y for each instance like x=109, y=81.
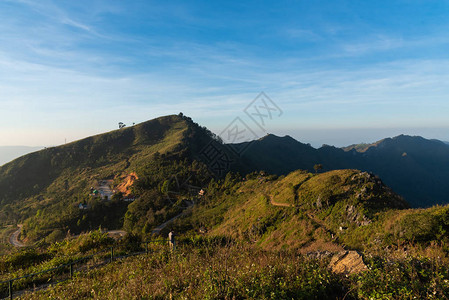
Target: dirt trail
x=158, y=229
x=280, y=204
x=14, y=237
x=310, y=216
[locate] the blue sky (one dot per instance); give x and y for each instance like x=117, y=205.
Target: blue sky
x=341, y=71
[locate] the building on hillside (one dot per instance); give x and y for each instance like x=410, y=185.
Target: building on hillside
x=129, y=198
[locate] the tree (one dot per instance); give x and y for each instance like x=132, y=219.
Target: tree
x=121, y=125
x=318, y=167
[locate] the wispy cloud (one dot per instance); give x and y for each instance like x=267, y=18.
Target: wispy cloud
x=68, y=21
x=63, y=62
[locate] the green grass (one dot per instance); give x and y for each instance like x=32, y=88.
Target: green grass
x=5, y=232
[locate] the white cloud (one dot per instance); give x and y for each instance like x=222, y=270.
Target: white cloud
x=49, y=78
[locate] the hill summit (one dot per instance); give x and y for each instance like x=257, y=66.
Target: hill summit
x=48, y=187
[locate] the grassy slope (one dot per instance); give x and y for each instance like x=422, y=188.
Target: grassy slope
x=213, y=271
x=299, y=211
x=263, y=260
x=328, y=211
x=375, y=219
x=47, y=185
x=102, y=154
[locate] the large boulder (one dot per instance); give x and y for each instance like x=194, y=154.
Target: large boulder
x=347, y=262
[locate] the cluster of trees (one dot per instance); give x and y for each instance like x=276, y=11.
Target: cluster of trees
x=163, y=189
x=57, y=221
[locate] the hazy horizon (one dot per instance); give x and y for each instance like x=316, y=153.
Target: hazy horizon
x=338, y=137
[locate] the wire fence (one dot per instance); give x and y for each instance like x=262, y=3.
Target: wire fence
x=39, y=280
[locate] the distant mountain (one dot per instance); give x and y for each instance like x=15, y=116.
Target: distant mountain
x=8, y=153
x=416, y=168
x=278, y=155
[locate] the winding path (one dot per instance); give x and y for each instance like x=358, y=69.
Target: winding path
x=274, y=203
x=116, y=233
x=310, y=215
x=158, y=229
x=14, y=237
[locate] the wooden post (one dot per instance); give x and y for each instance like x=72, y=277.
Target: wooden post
x=112, y=254
x=10, y=289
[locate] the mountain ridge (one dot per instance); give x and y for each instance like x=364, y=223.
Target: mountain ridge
x=45, y=188
x=275, y=154
x=413, y=166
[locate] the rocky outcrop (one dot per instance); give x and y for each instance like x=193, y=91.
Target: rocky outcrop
x=347, y=262
x=355, y=216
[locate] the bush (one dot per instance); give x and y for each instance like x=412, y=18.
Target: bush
x=23, y=259
x=55, y=235
x=94, y=240
x=131, y=243
x=402, y=279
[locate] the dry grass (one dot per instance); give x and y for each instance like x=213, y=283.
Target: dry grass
x=229, y=272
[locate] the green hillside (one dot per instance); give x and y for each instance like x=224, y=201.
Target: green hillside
x=268, y=237
x=299, y=211
x=43, y=189
x=108, y=153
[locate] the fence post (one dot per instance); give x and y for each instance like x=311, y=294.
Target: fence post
x=112, y=254
x=146, y=247
x=10, y=289
x=71, y=270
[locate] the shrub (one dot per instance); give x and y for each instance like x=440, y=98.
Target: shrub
x=55, y=235
x=94, y=240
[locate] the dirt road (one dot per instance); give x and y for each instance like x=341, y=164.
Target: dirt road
x=14, y=238
x=158, y=229
x=117, y=234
